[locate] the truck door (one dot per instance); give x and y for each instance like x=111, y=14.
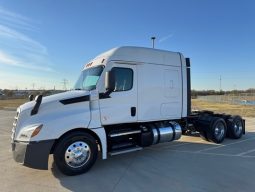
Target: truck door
x=121, y=107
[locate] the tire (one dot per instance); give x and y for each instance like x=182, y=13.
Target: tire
x=75, y=153
x=235, y=127
x=217, y=130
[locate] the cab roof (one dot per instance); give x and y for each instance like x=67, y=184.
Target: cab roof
x=138, y=55
x=142, y=55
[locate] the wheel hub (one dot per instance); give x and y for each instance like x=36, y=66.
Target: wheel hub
x=238, y=127
x=219, y=130
x=77, y=154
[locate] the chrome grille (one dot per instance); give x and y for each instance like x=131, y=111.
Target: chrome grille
x=15, y=124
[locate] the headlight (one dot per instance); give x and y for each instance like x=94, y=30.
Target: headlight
x=29, y=132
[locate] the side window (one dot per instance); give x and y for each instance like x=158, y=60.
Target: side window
x=123, y=79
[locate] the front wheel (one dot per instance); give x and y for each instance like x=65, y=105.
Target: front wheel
x=75, y=153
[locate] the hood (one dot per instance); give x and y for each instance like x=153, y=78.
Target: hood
x=55, y=97
x=54, y=115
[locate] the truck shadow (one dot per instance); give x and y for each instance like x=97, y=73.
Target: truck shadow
x=106, y=175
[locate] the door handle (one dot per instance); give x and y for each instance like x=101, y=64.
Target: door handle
x=133, y=111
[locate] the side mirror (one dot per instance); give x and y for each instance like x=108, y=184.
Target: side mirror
x=109, y=81
x=31, y=97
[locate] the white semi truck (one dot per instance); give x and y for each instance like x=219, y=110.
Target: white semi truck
x=125, y=99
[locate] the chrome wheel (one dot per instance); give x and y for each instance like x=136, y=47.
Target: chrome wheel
x=238, y=127
x=77, y=154
x=219, y=130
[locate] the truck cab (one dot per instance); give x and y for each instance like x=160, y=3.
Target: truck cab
x=125, y=99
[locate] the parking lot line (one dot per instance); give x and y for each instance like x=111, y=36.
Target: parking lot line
x=211, y=148
x=246, y=152
x=212, y=154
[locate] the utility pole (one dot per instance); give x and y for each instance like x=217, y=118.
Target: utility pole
x=65, y=82
x=153, y=41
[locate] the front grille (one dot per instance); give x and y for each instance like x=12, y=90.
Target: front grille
x=15, y=124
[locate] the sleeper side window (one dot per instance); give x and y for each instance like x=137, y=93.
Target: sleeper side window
x=123, y=79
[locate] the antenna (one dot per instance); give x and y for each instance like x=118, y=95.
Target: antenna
x=65, y=82
x=153, y=41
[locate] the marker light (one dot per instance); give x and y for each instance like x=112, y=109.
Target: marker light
x=37, y=130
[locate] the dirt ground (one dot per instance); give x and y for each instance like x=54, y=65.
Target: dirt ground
x=11, y=103
x=243, y=110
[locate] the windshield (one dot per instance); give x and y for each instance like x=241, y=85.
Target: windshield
x=88, y=78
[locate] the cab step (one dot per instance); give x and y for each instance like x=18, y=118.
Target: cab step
x=123, y=145
x=127, y=150
x=122, y=133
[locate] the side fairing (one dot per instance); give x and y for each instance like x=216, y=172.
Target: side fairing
x=159, y=92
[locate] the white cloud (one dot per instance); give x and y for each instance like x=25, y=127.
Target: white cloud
x=165, y=37
x=17, y=48
x=25, y=41
x=6, y=59
x=16, y=20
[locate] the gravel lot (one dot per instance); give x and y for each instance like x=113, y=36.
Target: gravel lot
x=189, y=164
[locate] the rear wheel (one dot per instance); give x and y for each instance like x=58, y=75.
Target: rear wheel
x=235, y=127
x=76, y=153
x=217, y=130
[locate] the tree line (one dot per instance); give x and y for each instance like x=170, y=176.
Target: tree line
x=195, y=93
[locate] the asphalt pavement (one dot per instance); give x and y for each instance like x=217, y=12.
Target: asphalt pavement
x=189, y=164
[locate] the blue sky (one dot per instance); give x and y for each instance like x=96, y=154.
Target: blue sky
x=43, y=42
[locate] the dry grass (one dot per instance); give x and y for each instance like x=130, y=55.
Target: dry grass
x=11, y=103
x=243, y=110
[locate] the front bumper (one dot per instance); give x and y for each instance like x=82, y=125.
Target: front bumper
x=32, y=154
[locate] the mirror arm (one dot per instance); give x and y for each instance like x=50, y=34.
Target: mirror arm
x=105, y=95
